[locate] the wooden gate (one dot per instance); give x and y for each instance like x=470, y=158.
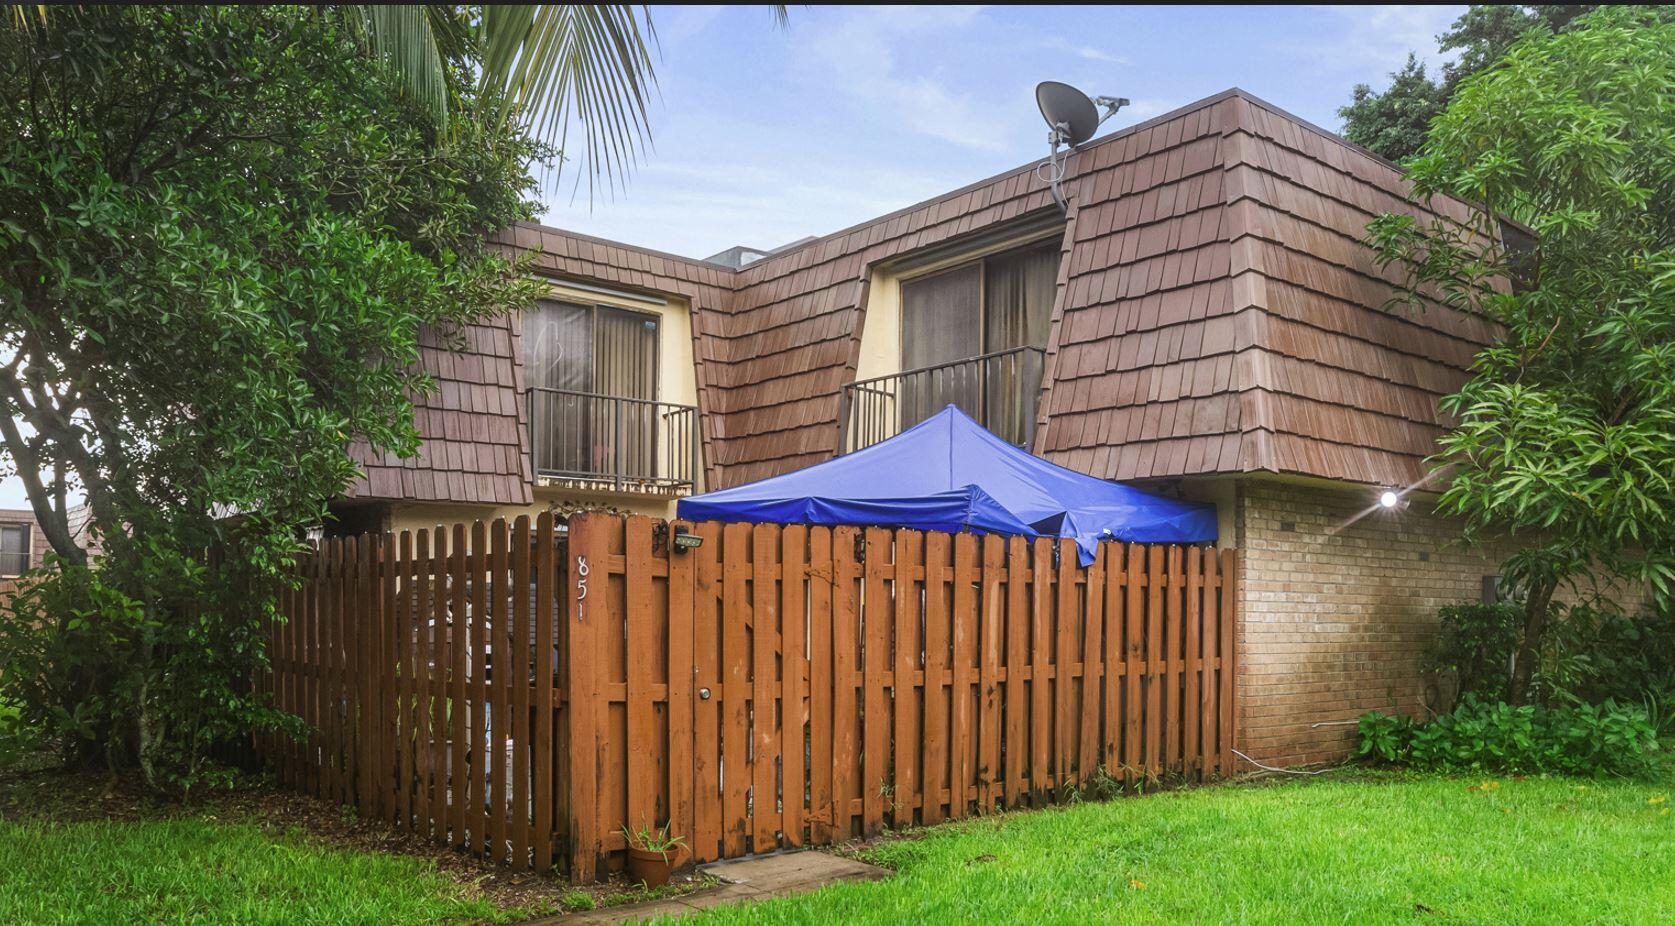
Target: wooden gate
x=777, y=686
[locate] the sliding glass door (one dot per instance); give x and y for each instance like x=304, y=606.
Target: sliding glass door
x=984, y=313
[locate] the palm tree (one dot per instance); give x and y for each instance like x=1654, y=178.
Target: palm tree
x=549, y=65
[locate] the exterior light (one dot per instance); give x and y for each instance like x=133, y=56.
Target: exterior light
x=1389, y=499
x=686, y=541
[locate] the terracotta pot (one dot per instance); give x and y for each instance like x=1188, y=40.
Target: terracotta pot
x=654, y=868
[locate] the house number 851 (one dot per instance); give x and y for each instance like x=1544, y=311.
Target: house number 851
x=581, y=585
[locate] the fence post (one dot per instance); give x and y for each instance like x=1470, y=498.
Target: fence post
x=1229, y=658
x=587, y=551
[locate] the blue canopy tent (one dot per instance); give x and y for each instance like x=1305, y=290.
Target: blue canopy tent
x=948, y=473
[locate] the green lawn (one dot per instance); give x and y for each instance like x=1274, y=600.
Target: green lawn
x=190, y=871
x=1430, y=850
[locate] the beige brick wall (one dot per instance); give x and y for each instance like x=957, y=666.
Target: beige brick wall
x=1338, y=602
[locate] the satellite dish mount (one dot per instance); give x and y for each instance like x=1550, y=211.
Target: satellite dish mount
x=1072, y=118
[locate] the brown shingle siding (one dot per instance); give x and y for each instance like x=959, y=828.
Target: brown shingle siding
x=1218, y=312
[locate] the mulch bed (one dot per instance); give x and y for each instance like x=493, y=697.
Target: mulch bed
x=71, y=796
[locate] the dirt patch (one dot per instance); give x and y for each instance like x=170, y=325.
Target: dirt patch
x=68, y=796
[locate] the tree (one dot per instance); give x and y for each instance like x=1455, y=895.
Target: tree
x=221, y=230
x=1392, y=123
x=1566, y=428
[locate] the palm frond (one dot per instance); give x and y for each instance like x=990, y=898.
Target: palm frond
x=27, y=15
x=403, y=35
x=587, y=65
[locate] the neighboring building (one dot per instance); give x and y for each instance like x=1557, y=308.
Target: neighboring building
x=22, y=545
x=1205, y=320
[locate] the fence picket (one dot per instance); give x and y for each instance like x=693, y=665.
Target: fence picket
x=938, y=626
x=846, y=772
x=1192, y=757
x=1040, y=689
x=736, y=619
x=821, y=688
x=906, y=700
x=1093, y=630
x=546, y=574
x=706, y=711
x=764, y=785
x=876, y=622
x=793, y=615
x=1134, y=624
x=1017, y=664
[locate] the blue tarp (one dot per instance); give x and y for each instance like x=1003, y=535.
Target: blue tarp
x=948, y=473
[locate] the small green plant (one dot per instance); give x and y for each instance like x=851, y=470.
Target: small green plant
x=577, y=900
x=1385, y=737
x=653, y=839
x=1102, y=785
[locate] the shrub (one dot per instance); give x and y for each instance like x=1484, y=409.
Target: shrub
x=1476, y=643
x=1591, y=655
x=1599, y=655
x=1607, y=739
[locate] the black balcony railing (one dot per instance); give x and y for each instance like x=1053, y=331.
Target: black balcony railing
x=999, y=390
x=629, y=444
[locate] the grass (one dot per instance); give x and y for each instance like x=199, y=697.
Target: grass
x=1368, y=851
x=190, y=871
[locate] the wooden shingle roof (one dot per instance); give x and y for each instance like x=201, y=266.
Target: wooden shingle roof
x=1217, y=312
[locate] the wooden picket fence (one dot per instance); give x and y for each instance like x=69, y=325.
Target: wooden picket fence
x=402, y=654
x=773, y=687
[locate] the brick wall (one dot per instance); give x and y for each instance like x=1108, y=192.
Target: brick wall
x=1337, y=605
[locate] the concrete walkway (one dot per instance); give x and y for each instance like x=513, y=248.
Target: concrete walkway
x=747, y=879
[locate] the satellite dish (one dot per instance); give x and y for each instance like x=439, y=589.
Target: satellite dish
x=1072, y=119
x=1068, y=111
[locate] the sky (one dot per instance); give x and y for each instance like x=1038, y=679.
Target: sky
x=762, y=136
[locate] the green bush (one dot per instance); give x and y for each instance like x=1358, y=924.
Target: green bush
x=1493, y=736
x=1598, y=655
x=1476, y=643
x=1591, y=655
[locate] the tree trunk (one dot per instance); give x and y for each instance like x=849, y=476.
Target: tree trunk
x=1536, y=606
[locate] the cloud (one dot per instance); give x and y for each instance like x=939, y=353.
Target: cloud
x=769, y=202
x=1085, y=52
x=1352, y=38
x=872, y=57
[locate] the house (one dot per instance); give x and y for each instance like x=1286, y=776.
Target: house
x=22, y=545
x=1203, y=320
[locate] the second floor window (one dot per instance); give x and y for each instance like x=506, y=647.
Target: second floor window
x=592, y=373
x=981, y=329
x=998, y=303
x=14, y=549
x=591, y=348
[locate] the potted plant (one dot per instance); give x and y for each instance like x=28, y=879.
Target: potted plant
x=653, y=853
